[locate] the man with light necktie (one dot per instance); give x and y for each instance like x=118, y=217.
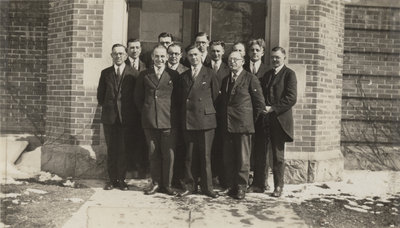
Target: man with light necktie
x=199, y=90
x=279, y=87
x=240, y=103
x=156, y=96
x=119, y=114
x=255, y=49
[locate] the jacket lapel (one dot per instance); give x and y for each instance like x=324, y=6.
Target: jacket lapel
x=153, y=77
x=279, y=76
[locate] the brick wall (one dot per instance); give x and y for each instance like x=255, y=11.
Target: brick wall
x=316, y=41
x=23, y=65
x=371, y=87
x=75, y=33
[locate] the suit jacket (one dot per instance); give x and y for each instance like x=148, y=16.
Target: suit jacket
x=157, y=100
x=240, y=109
x=280, y=92
x=222, y=72
x=198, y=99
x=142, y=66
x=116, y=100
x=261, y=70
x=181, y=68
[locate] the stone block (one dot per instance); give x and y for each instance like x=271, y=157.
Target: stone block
x=313, y=167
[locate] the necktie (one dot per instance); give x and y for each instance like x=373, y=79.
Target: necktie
x=194, y=73
x=231, y=83
x=118, y=75
x=135, y=65
x=253, y=68
x=158, y=72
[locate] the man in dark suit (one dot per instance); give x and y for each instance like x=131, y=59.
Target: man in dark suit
x=240, y=105
x=217, y=50
x=280, y=91
x=199, y=90
x=156, y=98
x=136, y=146
x=202, y=41
x=134, y=49
x=174, y=57
x=255, y=65
x=119, y=113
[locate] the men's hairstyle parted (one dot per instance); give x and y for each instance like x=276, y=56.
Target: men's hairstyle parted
x=190, y=47
x=174, y=45
x=165, y=34
x=202, y=34
x=260, y=42
x=117, y=45
x=275, y=49
x=217, y=42
x=131, y=40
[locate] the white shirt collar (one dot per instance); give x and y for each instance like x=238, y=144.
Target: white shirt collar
x=216, y=63
x=121, y=67
x=237, y=73
x=279, y=68
x=257, y=65
x=161, y=69
x=173, y=67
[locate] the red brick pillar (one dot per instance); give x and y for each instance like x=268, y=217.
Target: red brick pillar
x=312, y=33
x=75, y=37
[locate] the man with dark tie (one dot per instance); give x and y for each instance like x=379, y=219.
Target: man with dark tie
x=119, y=113
x=165, y=39
x=199, y=91
x=202, y=42
x=255, y=50
x=280, y=91
x=174, y=57
x=217, y=51
x=134, y=49
x=240, y=104
x=156, y=97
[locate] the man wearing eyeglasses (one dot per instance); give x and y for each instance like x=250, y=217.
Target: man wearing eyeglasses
x=174, y=57
x=119, y=114
x=280, y=91
x=240, y=104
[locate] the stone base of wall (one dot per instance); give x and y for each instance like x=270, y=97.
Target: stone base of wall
x=371, y=157
x=75, y=161
x=313, y=167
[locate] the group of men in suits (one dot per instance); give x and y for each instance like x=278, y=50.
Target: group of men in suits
x=198, y=115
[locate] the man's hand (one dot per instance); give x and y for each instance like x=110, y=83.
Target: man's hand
x=268, y=109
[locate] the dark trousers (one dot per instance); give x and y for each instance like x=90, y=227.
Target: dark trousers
x=197, y=162
x=179, y=161
x=161, y=144
x=116, y=153
x=136, y=148
x=216, y=157
x=236, y=157
x=269, y=132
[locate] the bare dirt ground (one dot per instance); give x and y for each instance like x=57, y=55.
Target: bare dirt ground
x=40, y=204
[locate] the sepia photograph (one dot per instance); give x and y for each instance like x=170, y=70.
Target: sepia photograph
x=200, y=113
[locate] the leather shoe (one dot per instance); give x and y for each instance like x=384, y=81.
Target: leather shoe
x=277, y=192
x=154, y=188
x=255, y=189
x=123, y=186
x=169, y=191
x=109, y=186
x=240, y=194
x=185, y=193
x=211, y=194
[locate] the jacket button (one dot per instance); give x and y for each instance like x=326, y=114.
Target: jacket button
x=187, y=100
x=155, y=97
